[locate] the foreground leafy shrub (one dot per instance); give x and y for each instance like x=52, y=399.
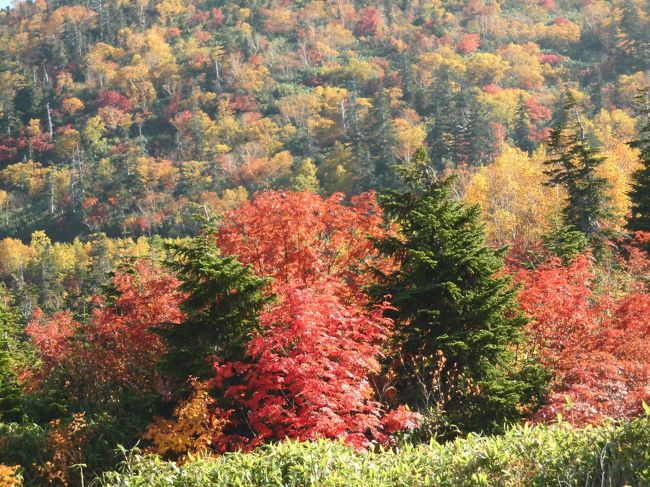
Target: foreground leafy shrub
x=524, y=456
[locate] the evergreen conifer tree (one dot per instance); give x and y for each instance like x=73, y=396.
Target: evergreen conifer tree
x=573, y=163
x=450, y=297
x=10, y=355
x=223, y=301
x=442, y=108
x=382, y=140
x=640, y=192
x=521, y=134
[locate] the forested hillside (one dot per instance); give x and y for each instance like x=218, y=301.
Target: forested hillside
x=116, y=115
x=225, y=225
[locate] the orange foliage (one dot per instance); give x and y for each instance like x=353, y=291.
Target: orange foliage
x=192, y=429
x=469, y=43
x=302, y=236
x=596, y=343
x=8, y=476
x=66, y=443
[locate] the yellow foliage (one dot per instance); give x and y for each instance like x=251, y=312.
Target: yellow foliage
x=410, y=136
x=192, y=429
x=27, y=176
x=8, y=476
x=484, y=68
x=14, y=256
x=66, y=442
x=72, y=105
x=620, y=162
x=168, y=9
x=502, y=105
x=67, y=145
x=516, y=204
x=612, y=128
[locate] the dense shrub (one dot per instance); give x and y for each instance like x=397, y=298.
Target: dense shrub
x=524, y=456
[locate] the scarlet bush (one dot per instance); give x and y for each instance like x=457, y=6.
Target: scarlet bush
x=307, y=373
x=116, y=345
x=299, y=236
x=595, y=342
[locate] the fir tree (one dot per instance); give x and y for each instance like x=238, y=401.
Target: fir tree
x=640, y=192
x=521, y=134
x=566, y=243
x=382, y=140
x=573, y=164
x=223, y=300
x=11, y=352
x=451, y=297
x=442, y=108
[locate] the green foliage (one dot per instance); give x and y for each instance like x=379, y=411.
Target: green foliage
x=24, y=445
x=574, y=164
x=223, y=300
x=524, y=456
x=452, y=296
x=566, y=242
x=13, y=354
x=640, y=192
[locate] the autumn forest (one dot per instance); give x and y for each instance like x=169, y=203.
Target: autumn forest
x=309, y=243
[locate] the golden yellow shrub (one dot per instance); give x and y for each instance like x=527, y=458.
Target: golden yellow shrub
x=190, y=432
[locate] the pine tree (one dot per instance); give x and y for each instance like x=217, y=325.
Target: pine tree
x=450, y=296
x=640, y=193
x=10, y=354
x=573, y=164
x=521, y=134
x=382, y=140
x=223, y=301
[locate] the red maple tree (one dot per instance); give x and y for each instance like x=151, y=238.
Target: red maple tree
x=116, y=345
x=594, y=340
x=304, y=237
x=307, y=374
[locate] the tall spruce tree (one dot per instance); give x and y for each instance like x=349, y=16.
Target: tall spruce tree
x=442, y=118
x=451, y=296
x=11, y=353
x=224, y=298
x=382, y=140
x=521, y=135
x=573, y=164
x=640, y=193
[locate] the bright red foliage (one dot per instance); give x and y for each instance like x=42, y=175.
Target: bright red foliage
x=469, y=43
x=596, y=343
x=117, y=345
x=303, y=237
x=123, y=346
x=308, y=375
x=114, y=99
x=51, y=336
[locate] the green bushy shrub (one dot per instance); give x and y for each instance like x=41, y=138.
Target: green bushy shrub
x=523, y=456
